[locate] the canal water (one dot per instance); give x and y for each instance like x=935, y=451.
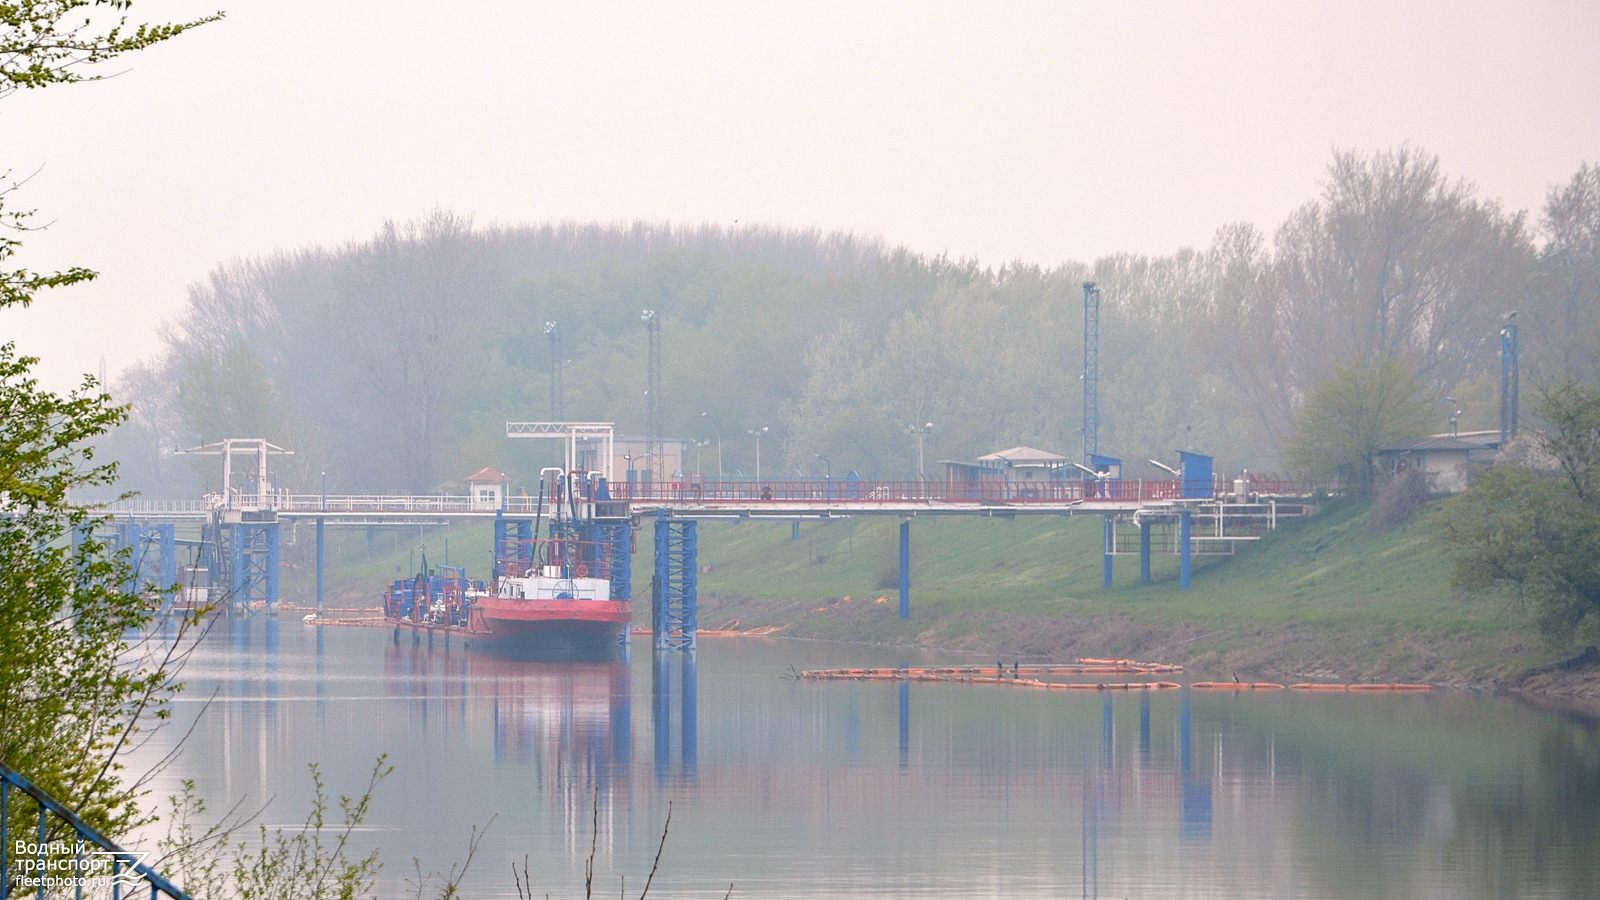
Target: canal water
x=787, y=788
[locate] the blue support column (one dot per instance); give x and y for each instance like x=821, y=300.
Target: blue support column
x=320, y=548
x=675, y=613
x=1107, y=544
x=499, y=543
x=236, y=573
x=905, y=568
x=1144, y=551
x=1183, y=550
x=168, y=536
x=794, y=530
x=274, y=556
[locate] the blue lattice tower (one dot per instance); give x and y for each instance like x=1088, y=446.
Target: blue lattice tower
x=1508, y=379
x=675, y=611
x=1091, y=373
x=253, y=554
x=615, y=542
x=513, y=543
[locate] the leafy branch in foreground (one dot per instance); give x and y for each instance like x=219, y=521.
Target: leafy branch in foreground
x=46, y=42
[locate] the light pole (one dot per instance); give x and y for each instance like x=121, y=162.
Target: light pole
x=922, y=434
x=707, y=417
x=757, y=433
x=828, y=476
x=324, y=490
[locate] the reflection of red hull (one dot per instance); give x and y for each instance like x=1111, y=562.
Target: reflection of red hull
x=499, y=618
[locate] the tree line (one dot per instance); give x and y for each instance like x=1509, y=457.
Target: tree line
x=392, y=363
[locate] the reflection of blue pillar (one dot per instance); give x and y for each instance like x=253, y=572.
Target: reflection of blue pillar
x=1183, y=735
x=1144, y=551
x=1144, y=723
x=621, y=714
x=690, y=722
x=1106, y=547
x=661, y=713
x=1183, y=550
x=1107, y=732
x=905, y=724
x=1194, y=797
x=905, y=568
x=319, y=577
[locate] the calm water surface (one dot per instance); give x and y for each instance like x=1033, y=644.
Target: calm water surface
x=802, y=789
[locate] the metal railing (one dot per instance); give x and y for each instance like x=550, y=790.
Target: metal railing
x=41, y=868
x=697, y=491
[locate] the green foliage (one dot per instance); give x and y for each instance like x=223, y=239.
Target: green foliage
x=1360, y=410
x=46, y=42
x=68, y=702
x=1538, y=532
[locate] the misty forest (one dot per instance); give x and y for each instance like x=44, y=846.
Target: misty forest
x=392, y=364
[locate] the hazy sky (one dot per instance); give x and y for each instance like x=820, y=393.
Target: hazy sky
x=1036, y=131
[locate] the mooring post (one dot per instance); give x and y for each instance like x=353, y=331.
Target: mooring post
x=1106, y=547
x=1144, y=551
x=319, y=571
x=1183, y=550
x=905, y=568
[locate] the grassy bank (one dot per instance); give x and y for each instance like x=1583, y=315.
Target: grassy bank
x=1326, y=597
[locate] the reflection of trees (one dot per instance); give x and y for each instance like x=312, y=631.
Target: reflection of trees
x=1537, y=831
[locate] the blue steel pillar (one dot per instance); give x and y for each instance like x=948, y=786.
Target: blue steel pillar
x=1144, y=551
x=794, y=530
x=905, y=568
x=1183, y=550
x=168, y=535
x=320, y=547
x=1106, y=546
x=274, y=556
x=676, y=609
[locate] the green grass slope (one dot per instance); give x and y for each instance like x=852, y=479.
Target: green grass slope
x=1326, y=597
x=1321, y=598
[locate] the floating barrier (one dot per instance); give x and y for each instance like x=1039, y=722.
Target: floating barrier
x=1374, y=688
x=1236, y=686
x=998, y=675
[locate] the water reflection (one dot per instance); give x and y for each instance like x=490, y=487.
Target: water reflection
x=801, y=789
x=688, y=724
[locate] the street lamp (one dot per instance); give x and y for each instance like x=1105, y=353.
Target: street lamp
x=827, y=462
x=922, y=434
x=757, y=433
x=707, y=417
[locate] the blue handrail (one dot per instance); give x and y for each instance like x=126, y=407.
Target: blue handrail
x=137, y=870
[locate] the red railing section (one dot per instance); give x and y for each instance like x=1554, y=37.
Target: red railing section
x=865, y=493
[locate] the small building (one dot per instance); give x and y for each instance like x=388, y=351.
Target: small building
x=632, y=460
x=1445, y=460
x=1018, y=464
x=488, y=489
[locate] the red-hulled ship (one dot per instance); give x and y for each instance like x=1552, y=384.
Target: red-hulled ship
x=548, y=592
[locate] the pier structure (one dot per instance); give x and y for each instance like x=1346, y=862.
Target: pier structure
x=237, y=554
